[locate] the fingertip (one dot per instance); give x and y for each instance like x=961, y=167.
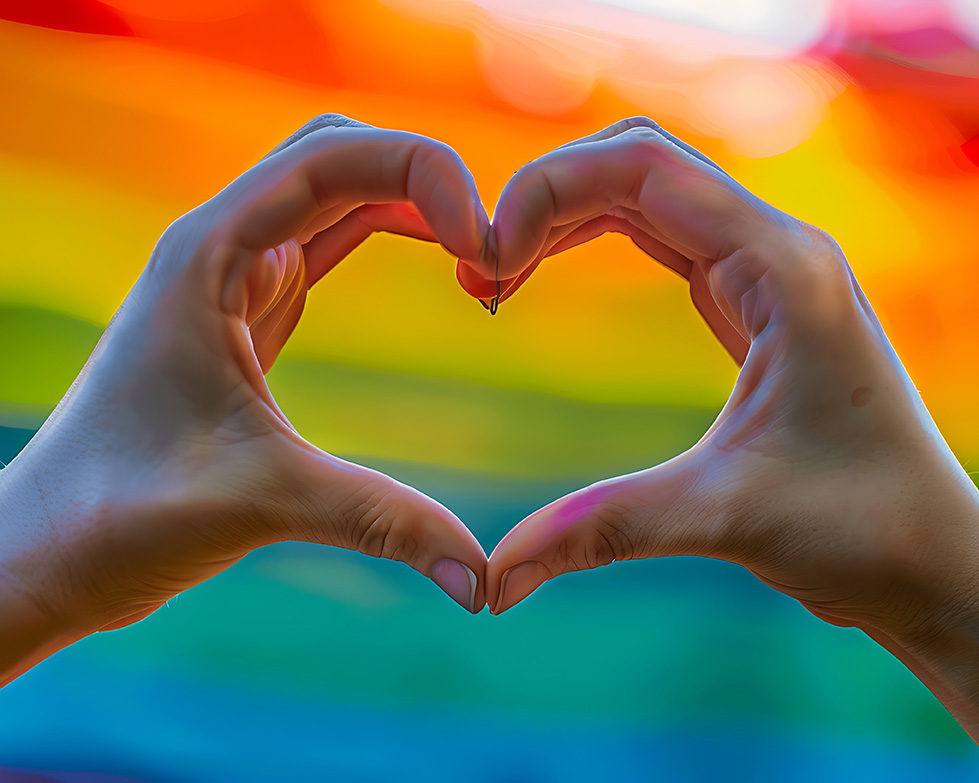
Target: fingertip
x=472, y=280
x=472, y=248
x=458, y=581
x=459, y=566
x=519, y=582
x=456, y=212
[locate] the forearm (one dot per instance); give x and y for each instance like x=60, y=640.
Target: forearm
x=34, y=622
x=937, y=636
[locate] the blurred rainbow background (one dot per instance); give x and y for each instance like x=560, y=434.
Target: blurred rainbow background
x=306, y=664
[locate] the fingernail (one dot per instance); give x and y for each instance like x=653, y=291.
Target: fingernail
x=457, y=581
x=519, y=582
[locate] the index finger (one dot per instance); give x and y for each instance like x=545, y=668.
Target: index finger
x=477, y=279
x=349, y=166
x=687, y=198
x=337, y=169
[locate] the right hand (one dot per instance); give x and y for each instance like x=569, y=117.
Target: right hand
x=824, y=474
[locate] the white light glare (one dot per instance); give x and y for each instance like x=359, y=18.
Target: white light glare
x=783, y=25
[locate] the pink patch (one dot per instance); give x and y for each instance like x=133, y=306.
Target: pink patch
x=572, y=510
x=928, y=42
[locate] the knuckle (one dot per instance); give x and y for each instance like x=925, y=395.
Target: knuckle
x=638, y=121
x=386, y=535
x=601, y=550
x=431, y=161
x=178, y=244
x=332, y=119
x=369, y=520
x=547, y=186
x=373, y=535
x=814, y=280
x=186, y=229
x=614, y=533
x=431, y=152
x=382, y=529
x=645, y=138
x=329, y=120
x=822, y=240
x=322, y=122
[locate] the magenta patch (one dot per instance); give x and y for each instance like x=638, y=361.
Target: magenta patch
x=928, y=42
x=571, y=510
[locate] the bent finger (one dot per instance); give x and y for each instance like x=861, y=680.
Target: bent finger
x=687, y=200
x=344, y=168
x=481, y=286
x=301, y=268
x=354, y=166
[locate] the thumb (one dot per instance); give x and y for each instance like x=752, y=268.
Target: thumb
x=338, y=503
x=665, y=510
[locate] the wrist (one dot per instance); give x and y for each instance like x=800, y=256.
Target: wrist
x=941, y=635
x=30, y=631
x=31, y=626
x=932, y=618
x=42, y=607
x=944, y=655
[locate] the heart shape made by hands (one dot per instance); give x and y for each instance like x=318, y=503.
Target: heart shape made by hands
x=197, y=465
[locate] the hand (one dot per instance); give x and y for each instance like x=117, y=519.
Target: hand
x=168, y=460
x=823, y=475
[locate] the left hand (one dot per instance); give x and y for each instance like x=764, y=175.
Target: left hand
x=168, y=459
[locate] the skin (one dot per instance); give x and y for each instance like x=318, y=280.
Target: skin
x=824, y=474
x=168, y=460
